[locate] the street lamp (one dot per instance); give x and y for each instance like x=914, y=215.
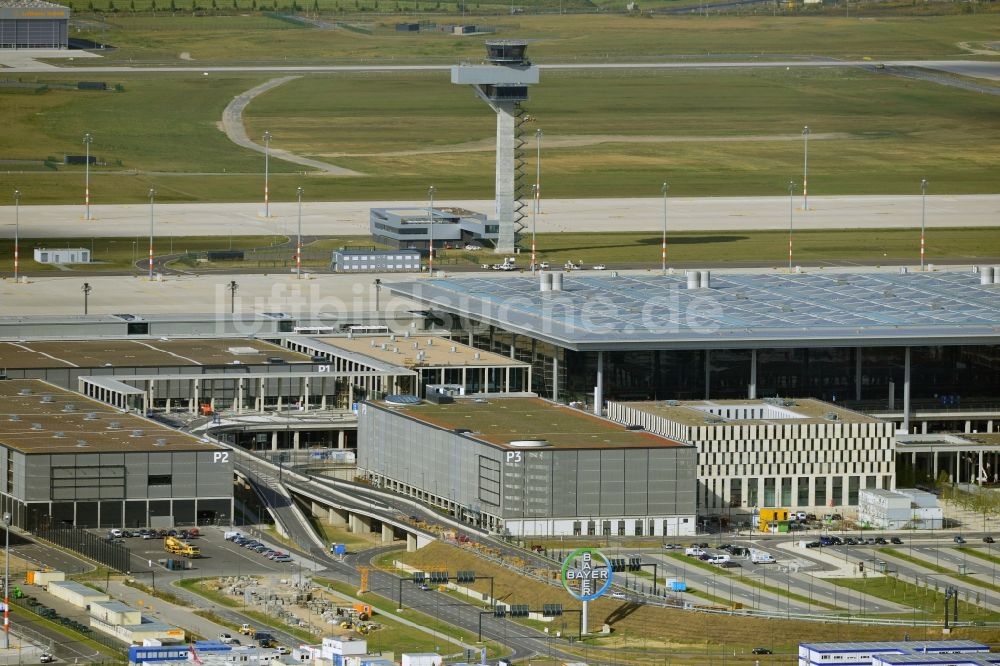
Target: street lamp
x=298, y=245
x=87, y=139
x=152, y=196
x=267, y=155
x=805, y=168
x=430, y=219
x=233, y=288
x=534, y=226
x=6, y=581
x=663, y=249
x=86, y=289
x=791, y=218
x=17, y=230
x=538, y=191
x=923, y=219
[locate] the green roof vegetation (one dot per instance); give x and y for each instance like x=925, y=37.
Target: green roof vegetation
x=503, y=420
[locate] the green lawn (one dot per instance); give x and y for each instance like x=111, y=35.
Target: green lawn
x=555, y=38
x=636, y=249
x=925, y=600
x=118, y=254
x=617, y=250
x=711, y=133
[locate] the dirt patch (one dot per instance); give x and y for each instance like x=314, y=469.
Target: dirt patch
x=185, y=56
x=987, y=48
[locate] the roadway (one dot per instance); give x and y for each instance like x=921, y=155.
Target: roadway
x=20, y=64
x=522, y=641
x=351, y=218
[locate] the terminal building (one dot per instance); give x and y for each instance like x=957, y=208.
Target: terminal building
x=33, y=24
x=798, y=454
x=529, y=467
x=410, y=228
x=66, y=460
x=908, y=348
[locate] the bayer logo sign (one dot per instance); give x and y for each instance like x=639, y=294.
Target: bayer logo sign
x=586, y=574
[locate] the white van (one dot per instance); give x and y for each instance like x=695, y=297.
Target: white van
x=760, y=557
x=694, y=551
x=719, y=559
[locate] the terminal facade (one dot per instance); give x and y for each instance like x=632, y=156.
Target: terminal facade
x=529, y=467
x=798, y=454
x=66, y=461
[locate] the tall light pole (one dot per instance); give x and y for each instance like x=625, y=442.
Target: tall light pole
x=298, y=245
x=805, y=168
x=534, y=228
x=6, y=581
x=152, y=196
x=17, y=230
x=86, y=195
x=233, y=288
x=923, y=219
x=267, y=155
x=791, y=219
x=430, y=220
x=86, y=289
x=663, y=249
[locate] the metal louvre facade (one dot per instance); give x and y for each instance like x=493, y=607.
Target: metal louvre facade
x=33, y=33
x=33, y=24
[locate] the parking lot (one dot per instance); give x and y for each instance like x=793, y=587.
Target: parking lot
x=809, y=572
x=218, y=556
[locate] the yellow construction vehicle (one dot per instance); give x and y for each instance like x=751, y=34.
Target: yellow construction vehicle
x=175, y=546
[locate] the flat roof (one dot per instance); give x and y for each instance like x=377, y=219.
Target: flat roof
x=643, y=311
x=437, y=351
x=947, y=441
x=500, y=421
x=79, y=588
x=53, y=410
x=141, y=353
x=694, y=412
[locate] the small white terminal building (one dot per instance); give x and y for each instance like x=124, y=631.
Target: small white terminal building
x=62, y=255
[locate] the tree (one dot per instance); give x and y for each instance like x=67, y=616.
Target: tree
x=152, y=5
x=131, y=6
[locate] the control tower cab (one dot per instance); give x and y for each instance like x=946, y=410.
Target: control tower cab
x=502, y=81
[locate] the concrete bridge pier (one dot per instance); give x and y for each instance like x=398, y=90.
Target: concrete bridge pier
x=388, y=534
x=359, y=524
x=337, y=517
x=411, y=543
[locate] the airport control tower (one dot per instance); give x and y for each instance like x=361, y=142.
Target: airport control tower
x=502, y=82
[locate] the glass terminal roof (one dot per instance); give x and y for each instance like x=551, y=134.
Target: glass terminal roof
x=654, y=311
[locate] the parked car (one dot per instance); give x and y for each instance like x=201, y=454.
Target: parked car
x=988, y=539
x=225, y=638
x=896, y=541
x=814, y=544
x=731, y=565
x=283, y=558
x=881, y=541
x=473, y=247
x=959, y=539
x=46, y=658
x=599, y=267
x=670, y=546
x=617, y=595
x=850, y=541
x=761, y=650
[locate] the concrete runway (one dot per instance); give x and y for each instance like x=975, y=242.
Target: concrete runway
x=557, y=215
